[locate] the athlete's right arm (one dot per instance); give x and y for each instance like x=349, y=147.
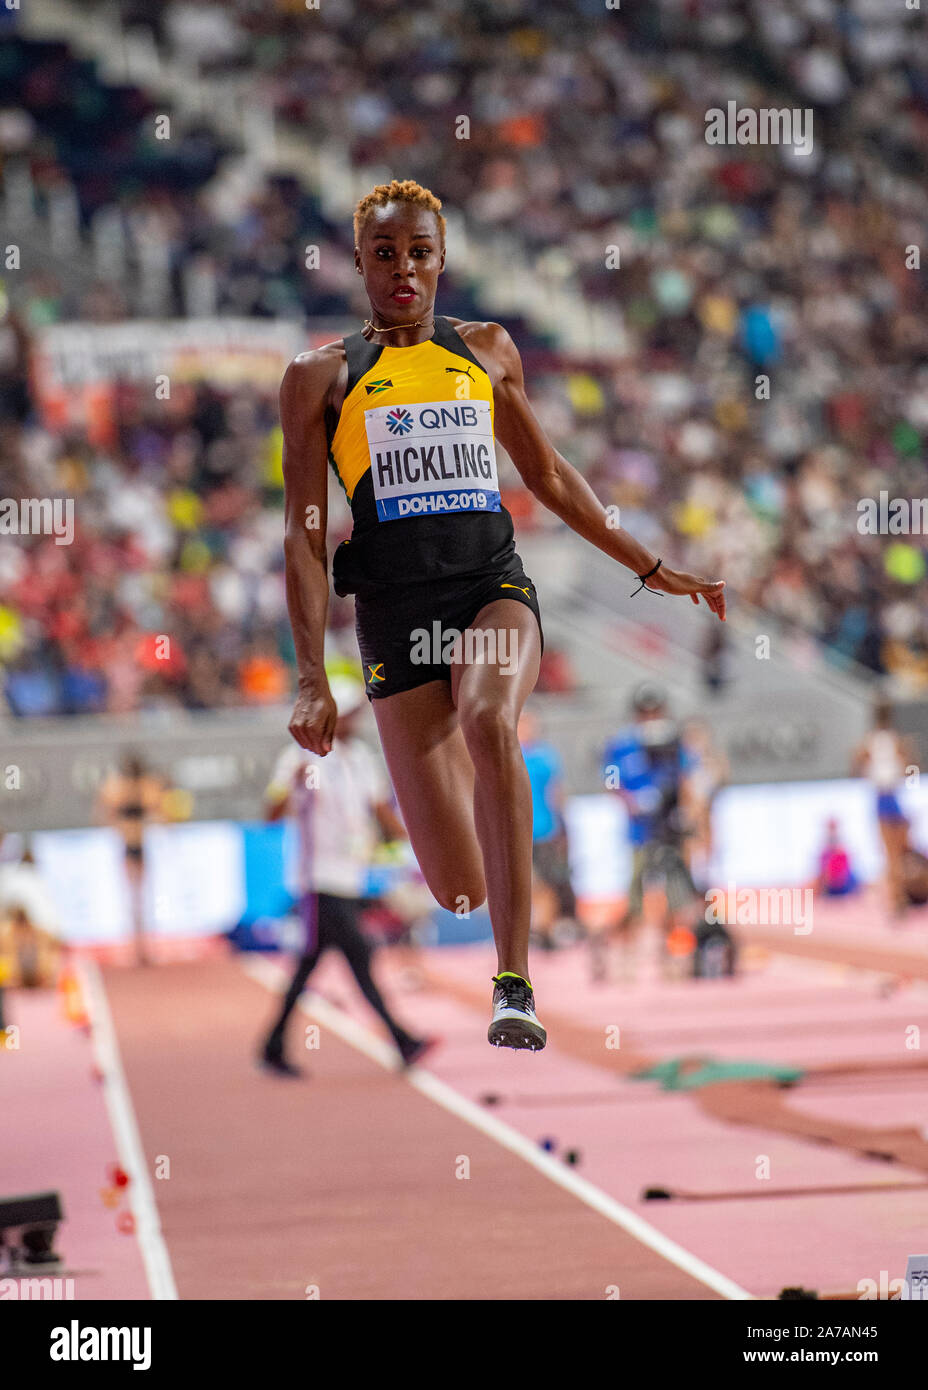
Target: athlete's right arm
x=303, y=394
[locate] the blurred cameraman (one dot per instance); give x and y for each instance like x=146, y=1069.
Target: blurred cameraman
x=646, y=765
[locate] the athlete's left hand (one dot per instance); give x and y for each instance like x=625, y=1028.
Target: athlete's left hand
x=670, y=581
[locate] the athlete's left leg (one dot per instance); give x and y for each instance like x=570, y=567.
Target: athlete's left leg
x=500, y=654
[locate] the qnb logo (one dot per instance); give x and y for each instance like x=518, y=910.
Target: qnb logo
x=462, y=416
x=399, y=420
x=76, y=1343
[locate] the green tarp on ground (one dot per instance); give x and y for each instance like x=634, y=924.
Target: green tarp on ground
x=689, y=1073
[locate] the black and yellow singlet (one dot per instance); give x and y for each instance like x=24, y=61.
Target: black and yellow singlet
x=413, y=447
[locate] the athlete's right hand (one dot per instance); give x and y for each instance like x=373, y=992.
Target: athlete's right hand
x=312, y=723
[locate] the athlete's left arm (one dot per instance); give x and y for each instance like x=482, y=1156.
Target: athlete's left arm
x=564, y=491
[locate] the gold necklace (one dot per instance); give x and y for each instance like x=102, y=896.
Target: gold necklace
x=419, y=323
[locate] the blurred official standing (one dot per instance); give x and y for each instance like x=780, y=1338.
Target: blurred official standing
x=342, y=807
x=884, y=758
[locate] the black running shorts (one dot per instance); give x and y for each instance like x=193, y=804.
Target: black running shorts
x=406, y=638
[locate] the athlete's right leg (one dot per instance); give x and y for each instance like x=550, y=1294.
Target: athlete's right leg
x=433, y=778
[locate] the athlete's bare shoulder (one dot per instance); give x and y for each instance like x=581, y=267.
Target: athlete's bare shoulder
x=490, y=343
x=311, y=377
x=316, y=367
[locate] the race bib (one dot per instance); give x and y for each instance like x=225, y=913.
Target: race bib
x=433, y=458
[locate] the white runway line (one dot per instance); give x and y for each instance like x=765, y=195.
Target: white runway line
x=125, y=1128
x=359, y=1037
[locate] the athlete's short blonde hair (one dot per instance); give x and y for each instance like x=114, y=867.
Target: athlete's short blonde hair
x=399, y=191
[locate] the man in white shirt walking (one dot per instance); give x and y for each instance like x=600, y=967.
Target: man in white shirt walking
x=342, y=807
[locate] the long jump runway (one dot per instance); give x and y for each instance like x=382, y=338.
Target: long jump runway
x=354, y=1184
x=362, y=1183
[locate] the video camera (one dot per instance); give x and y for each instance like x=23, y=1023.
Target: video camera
x=661, y=741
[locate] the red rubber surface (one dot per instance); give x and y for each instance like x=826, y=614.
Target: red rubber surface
x=346, y=1181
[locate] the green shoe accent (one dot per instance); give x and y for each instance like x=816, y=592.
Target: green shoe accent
x=511, y=974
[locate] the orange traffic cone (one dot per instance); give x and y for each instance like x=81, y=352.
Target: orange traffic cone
x=72, y=998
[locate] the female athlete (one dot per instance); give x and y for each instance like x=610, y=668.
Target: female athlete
x=407, y=411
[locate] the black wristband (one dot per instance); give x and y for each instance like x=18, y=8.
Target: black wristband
x=643, y=585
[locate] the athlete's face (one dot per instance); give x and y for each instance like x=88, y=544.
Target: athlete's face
x=400, y=257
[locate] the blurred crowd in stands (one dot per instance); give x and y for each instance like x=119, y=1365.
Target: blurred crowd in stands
x=775, y=363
